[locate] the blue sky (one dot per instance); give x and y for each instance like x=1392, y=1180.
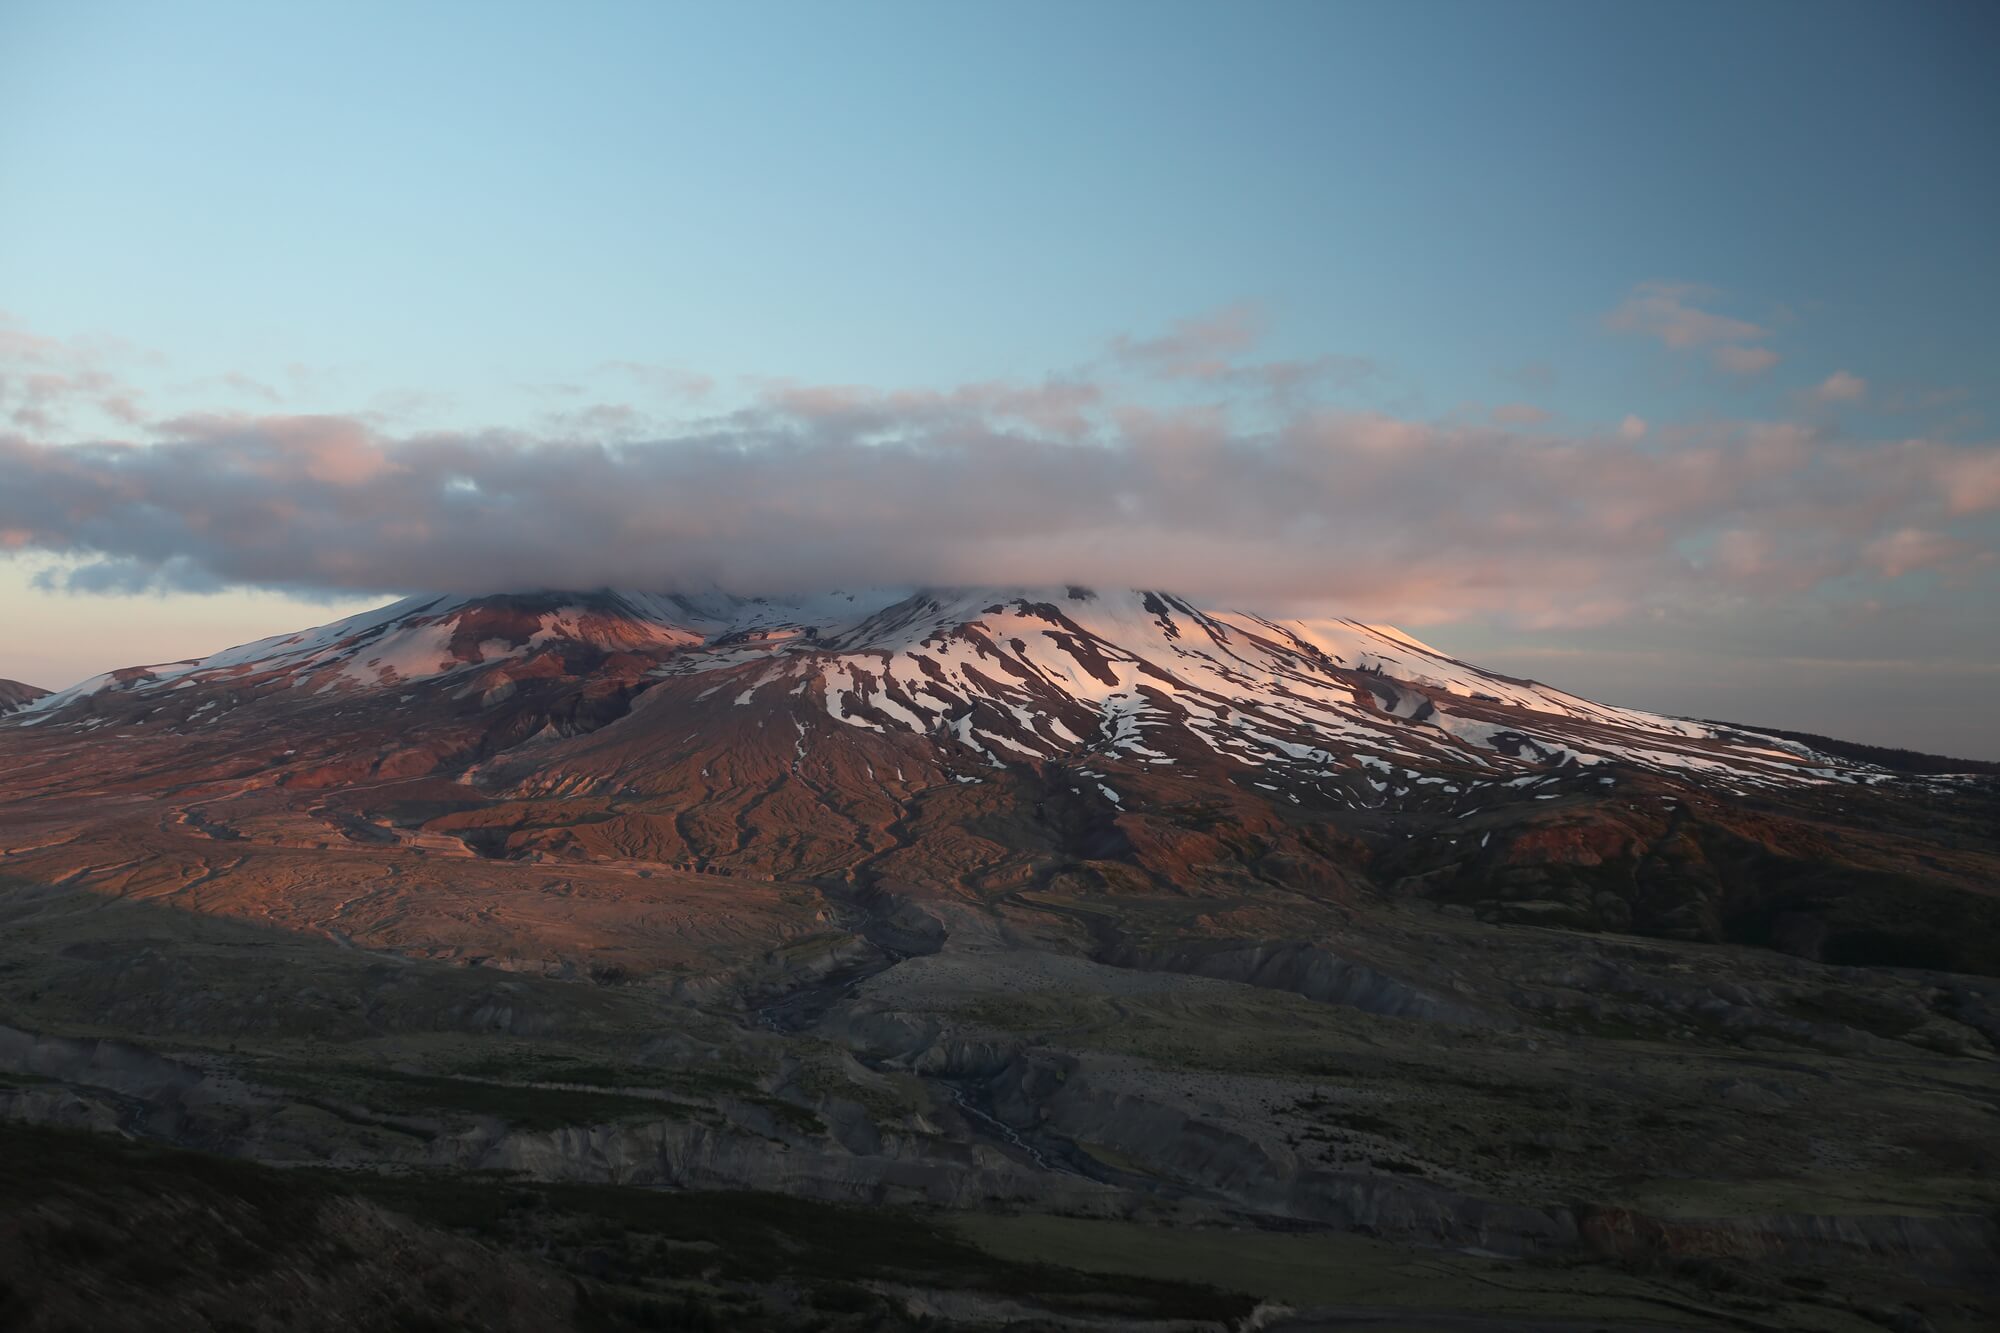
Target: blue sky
x=465, y=216
x=458, y=197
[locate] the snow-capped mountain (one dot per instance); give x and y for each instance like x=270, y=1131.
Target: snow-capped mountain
x=1321, y=710
x=1228, y=769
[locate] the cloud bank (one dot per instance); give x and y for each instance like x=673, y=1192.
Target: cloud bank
x=1056, y=482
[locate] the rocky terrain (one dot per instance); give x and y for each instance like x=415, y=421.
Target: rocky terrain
x=1083, y=939
x=14, y=695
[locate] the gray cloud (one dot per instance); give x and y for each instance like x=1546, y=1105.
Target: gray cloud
x=1061, y=481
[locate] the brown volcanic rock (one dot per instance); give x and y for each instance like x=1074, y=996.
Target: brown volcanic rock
x=13, y=694
x=341, y=849
x=978, y=747
x=1678, y=863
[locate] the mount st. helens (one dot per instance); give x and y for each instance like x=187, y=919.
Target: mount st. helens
x=1099, y=903
x=1341, y=712
x=981, y=741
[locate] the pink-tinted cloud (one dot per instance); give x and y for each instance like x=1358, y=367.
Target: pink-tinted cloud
x=839, y=485
x=1256, y=493
x=1913, y=550
x=1840, y=387
x=1519, y=414
x=1212, y=351
x=1531, y=375
x=1203, y=347
x=1971, y=481
x=1673, y=313
x=48, y=384
x=1667, y=311
x=1743, y=360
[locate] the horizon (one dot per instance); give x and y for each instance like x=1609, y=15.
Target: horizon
x=1562, y=337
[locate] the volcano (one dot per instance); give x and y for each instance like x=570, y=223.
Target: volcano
x=1099, y=902
x=1328, y=712
x=951, y=741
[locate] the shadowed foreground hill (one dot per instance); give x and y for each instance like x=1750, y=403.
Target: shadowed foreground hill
x=1881, y=756
x=125, y=1236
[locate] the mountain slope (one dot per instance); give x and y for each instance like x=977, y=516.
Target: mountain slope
x=1329, y=710
x=976, y=743
x=14, y=695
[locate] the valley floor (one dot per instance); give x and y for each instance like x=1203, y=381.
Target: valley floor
x=944, y=1115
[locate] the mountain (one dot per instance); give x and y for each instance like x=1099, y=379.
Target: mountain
x=1096, y=738
x=1142, y=920
x=1331, y=711
x=15, y=695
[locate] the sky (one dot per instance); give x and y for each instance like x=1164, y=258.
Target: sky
x=1646, y=349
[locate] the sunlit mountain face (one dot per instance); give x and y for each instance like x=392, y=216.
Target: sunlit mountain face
x=982, y=677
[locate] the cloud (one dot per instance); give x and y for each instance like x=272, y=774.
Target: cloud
x=1060, y=481
x=1743, y=360
x=1533, y=375
x=1285, y=379
x=1210, y=351
x=669, y=381
x=47, y=384
x=1519, y=414
x=1257, y=494
x=1666, y=311
x=1912, y=550
x=1203, y=347
x=1922, y=399
x=1971, y=480
x=1841, y=387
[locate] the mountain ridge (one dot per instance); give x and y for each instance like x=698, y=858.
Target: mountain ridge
x=15, y=695
x=1014, y=674
x=962, y=743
